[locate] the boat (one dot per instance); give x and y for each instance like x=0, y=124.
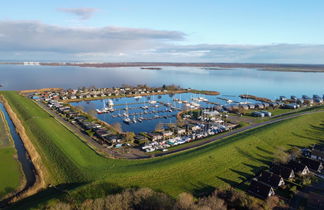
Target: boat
x=152, y=101
x=99, y=111
x=110, y=103
x=134, y=120
x=137, y=97
x=127, y=120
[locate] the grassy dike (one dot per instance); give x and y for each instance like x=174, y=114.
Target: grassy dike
x=11, y=176
x=225, y=162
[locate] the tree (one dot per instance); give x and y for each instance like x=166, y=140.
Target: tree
x=281, y=156
x=129, y=137
x=117, y=126
x=159, y=127
x=294, y=153
x=185, y=201
x=92, y=112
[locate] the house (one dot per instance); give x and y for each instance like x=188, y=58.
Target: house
x=300, y=101
x=300, y=168
x=259, y=106
x=155, y=136
x=290, y=106
x=112, y=138
x=317, y=155
x=272, y=179
x=251, y=106
x=313, y=165
x=282, y=98
x=257, y=114
x=180, y=131
x=167, y=133
x=266, y=113
x=284, y=172
x=244, y=106
x=260, y=189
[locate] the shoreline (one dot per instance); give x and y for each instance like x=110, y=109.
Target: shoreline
x=205, y=92
x=208, y=66
x=23, y=181
x=32, y=152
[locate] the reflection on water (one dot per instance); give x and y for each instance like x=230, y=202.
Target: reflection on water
x=231, y=82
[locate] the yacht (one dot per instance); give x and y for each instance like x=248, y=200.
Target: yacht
x=127, y=120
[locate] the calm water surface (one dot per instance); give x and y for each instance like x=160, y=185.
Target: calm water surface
x=231, y=82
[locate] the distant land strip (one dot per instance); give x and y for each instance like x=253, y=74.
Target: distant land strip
x=207, y=66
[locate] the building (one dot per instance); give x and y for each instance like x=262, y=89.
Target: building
x=260, y=189
x=317, y=155
x=313, y=165
x=299, y=168
x=155, y=136
x=257, y=114
x=284, y=172
x=272, y=179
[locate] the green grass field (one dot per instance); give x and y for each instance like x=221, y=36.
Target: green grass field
x=219, y=164
x=11, y=175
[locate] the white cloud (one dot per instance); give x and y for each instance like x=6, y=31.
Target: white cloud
x=81, y=13
x=39, y=41
x=35, y=36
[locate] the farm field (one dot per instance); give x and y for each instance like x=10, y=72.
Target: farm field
x=11, y=174
x=219, y=164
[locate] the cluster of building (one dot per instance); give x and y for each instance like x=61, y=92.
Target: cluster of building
x=265, y=185
x=103, y=134
x=180, y=135
x=84, y=93
x=283, y=102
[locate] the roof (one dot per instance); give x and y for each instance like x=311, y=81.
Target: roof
x=270, y=178
x=318, y=153
x=297, y=167
x=283, y=171
x=312, y=164
x=260, y=189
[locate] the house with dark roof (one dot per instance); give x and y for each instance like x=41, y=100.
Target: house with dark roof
x=300, y=168
x=313, y=165
x=272, y=179
x=284, y=172
x=317, y=155
x=260, y=189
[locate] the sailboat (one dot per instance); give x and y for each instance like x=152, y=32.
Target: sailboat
x=152, y=101
x=126, y=119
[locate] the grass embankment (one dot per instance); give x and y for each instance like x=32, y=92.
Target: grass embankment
x=11, y=177
x=219, y=164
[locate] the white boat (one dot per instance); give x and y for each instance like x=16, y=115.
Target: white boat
x=110, y=103
x=127, y=120
x=152, y=102
x=134, y=120
x=144, y=107
x=137, y=97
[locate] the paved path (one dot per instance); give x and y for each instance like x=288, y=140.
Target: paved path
x=141, y=155
x=275, y=119
x=92, y=143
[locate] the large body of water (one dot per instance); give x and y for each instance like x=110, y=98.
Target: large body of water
x=229, y=82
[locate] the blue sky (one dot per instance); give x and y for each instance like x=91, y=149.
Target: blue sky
x=289, y=31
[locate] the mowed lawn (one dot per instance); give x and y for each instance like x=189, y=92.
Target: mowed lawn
x=220, y=164
x=10, y=175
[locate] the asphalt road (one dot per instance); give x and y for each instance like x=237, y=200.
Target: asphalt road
x=142, y=155
x=275, y=119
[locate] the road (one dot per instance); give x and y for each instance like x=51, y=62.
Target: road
x=275, y=119
x=141, y=155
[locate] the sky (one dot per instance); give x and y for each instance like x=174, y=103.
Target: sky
x=245, y=31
